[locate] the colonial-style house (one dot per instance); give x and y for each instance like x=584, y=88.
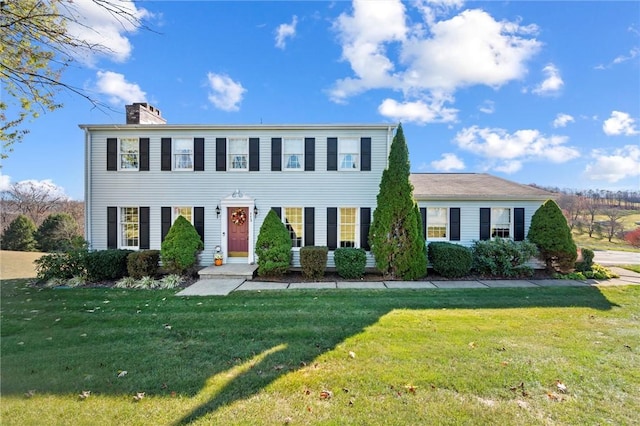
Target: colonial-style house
x=321, y=179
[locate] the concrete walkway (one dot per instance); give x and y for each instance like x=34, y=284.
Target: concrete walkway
x=224, y=286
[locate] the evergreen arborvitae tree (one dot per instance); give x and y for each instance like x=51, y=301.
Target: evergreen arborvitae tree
x=59, y=232
x=395, y=235
x=273, y=247
x=19, y=235
x=551, y=233
x=179, y=250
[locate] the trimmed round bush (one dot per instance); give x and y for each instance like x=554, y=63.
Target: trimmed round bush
x=450, y=260
x=179, y=250
x=550, y=232
x=502, y=257
x=105, y=265
x=313, y=261
x=143, y=263
x=350, y=262
x=273, y=247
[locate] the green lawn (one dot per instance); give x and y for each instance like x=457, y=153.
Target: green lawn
x=481, y=356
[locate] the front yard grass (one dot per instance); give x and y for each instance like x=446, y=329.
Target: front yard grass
x=480, y=356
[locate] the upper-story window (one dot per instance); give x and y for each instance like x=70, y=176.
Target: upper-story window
x=500, y=222
x=293, y=154
x=348, y=154
x=238, y=153
x=436, y=223
x=129, y=227
x=129, y=154
x=183, y=154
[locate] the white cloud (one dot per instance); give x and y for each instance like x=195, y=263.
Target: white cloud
x=562, y=120
x=507, y=151
x=285, y=31
x=225, y=94
x=620, y=123
x=552, y=84
x=487, y=107
x=419, y=111
x=621, y=164
x=97, y=25
x=119, y=90
x=5, y=182
x=447, y=163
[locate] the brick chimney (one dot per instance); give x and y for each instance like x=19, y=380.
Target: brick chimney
x=143, y=113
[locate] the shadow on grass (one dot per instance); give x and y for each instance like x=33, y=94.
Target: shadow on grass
x=217, y=350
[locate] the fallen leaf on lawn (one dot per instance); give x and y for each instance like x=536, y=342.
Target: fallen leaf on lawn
x=472, y=345
x=554, y=397
x=84, y=394
x=326, y=394
x=410, y=388
x=352, y=354
x=345, y=390
x=278, y=367
x=561, y=386
x=138, y=396
x=164, y=386
x=522, y=404
x=287, y=420
x=351, y=402
x=167, y=326
x=307, y=392
x=30, y=393
x=504, y=363
x=627, y=346
x=122, y=373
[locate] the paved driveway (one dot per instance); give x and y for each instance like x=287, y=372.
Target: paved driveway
x=609, y=257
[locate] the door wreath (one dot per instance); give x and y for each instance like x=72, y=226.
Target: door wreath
x=239, y=217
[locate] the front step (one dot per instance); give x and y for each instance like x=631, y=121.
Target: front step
x=228, y=271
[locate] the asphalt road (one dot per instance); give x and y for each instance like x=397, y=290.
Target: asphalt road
x=608, y=257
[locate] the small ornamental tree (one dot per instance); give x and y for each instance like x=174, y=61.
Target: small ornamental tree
x=395, y=236
x=633, y=237
x=58, y=232
x=273, y=247
x=19, y=235
x=179, y=250
x=550, y=232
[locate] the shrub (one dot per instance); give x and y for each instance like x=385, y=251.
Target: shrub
x=587, y=261
x=62, y=266
x=59, y=232
x=350, y=262
x=273, y=247
x=633, y=237
x=313, y=261
x=550, y=232
x=143, y=263
x=179, y=250
x=170, y=282
x=450, y=260
x=503, y=257
x=105, y=265
x=19, y=235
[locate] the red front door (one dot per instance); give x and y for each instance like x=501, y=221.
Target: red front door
x=238, y=231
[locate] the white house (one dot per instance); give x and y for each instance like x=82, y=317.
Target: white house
x=321, y=179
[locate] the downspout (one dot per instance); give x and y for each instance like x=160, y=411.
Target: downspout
x=87, y=184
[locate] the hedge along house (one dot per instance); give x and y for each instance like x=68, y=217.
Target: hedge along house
x=322, y=180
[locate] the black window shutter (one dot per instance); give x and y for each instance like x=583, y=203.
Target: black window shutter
x=365, y=154
x=112, y=154
x=278, y=211
x=332, y=228
x=309, y=154
x=276, y=154
x=165, y=154
x=144, y=154
x=165, y=222
x=309, y=226
x=221, y=154
x=485, y=223
x=454, y=224
x=518, y=224
x=423, y=216
x=144, y=228
x=112, y=227
x=198, y=221
x=332, y=154
x=365, y=224
x=254, y=154
x=198, y=154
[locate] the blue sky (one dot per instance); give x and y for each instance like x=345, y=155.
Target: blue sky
x=537, y=92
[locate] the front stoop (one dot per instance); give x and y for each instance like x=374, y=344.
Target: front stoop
x=228, y=271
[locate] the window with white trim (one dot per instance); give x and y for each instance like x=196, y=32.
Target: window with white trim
x=500, y=222
x=294, y=222
x=348, y=154
x=182, y=154
x=436, y=223
x=293, y=154
x=129, y=154
x=348, y=227
x=129, y=227
x=187, y=212
x=238, y=153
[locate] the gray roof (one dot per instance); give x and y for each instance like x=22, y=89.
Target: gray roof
x=472, y=186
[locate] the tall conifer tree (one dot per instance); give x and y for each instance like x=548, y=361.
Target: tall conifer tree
x=396, y=232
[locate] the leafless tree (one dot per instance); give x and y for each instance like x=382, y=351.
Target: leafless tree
x=613, y=225
x=34, y=199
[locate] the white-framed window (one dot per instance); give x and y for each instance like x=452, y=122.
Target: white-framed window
x=348, y=154
x=500, y=222
x=293, y=154
x=348, y=227
x=238, y=154
x=129, y=154
x=294, y=221
x=182, y=154
x=187, y=212
x=436, y=223
x=129, y=227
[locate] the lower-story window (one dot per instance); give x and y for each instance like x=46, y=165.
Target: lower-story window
x=500, y=222
x=436, y=223
x=293, y=220
x=348, y=227
x=129, y=227
x=186, y=212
